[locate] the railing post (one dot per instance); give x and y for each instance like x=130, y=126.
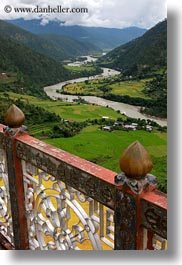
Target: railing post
x=131, y=184
x=14, y=119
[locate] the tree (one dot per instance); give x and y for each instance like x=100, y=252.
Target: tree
x=105, y=89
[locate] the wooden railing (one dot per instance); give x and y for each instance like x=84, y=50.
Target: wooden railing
x=51, y=199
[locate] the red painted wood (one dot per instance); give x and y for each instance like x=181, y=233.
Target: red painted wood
x=5, y=244
x=70, y=159
x=156, y=197
x=152, y=196
x=20, y=199
x=150, y=236
x=1, y=128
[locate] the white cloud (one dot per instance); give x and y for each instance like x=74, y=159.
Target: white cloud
x=104, y=13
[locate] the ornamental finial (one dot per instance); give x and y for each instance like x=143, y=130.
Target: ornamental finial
x=14, y=117
x=135, y=161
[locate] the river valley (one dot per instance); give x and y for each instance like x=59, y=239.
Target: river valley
x=129, y=110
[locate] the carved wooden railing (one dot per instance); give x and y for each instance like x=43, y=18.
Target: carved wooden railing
x=51, y=199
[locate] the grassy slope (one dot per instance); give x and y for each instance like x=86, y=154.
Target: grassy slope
x=105, y=148
x=69, y=111
x=98, y=146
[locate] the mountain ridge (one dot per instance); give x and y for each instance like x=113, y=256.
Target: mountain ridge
x=27, y=71
x=61, y=49
x=148, y=50
x=104, y=38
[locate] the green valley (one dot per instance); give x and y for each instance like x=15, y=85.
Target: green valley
x=28, y=63
x=76, y=128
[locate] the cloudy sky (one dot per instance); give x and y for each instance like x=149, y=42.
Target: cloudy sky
x=103, y=13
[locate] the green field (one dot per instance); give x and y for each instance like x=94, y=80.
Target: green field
x=130, y=88
x=105, y=148
x=80, y=68
x=70, y=111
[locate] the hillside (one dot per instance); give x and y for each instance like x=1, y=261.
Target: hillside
x=104, y=38
x=66, y=47
x=43, y=117
x=147, y=51
x=58, y=47
x=30, y=69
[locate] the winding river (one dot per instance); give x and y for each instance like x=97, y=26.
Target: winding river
x=129, y=110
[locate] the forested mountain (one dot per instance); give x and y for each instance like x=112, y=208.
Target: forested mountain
x=32, y=70
x=104, y=38
x=66, y=47
x=58, y=47
x=147, y=51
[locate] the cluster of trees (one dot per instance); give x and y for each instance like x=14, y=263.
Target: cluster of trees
x=157, y=90
x=91, y=71
x=129, y=100
x=67, y=129
x=36, y=115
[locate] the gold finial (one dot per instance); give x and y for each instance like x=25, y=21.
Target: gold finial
x=14, y=117
x=135, y=161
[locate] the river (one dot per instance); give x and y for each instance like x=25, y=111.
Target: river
x=129, y=110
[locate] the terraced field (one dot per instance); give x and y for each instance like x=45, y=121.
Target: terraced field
x=70, y=111
x=130, y=88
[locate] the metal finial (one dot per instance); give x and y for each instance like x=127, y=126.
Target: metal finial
x=14, y=117
x=135, y=161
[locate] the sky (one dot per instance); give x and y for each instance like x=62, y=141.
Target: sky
x=102, y=13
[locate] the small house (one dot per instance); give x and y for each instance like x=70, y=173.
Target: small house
x=130, y=127
x=149, y=128
x=107, y=128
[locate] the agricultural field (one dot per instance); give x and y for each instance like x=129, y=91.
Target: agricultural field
x=105, y=148
x=101, y=147
x=80, y=68
x=100, y=87
x=69, y=111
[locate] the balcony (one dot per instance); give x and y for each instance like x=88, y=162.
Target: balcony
x=51, y=199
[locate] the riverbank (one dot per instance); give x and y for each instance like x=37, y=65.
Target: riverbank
x=129, y=110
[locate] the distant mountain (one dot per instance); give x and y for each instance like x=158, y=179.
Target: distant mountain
x=34, y=67
x=66, y=47
x=150, y=50
x=58, y=47
x=104, y=38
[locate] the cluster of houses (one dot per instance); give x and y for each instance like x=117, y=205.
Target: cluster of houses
x=129, y=127
x=3, y=75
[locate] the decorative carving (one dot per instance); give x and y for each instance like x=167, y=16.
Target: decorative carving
x=14, y=131
x=80, y=180
x=154, y=218
x=137, y=186
x=159, y=243
x=6, y=227
x=125, y=221
x=61, y=217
